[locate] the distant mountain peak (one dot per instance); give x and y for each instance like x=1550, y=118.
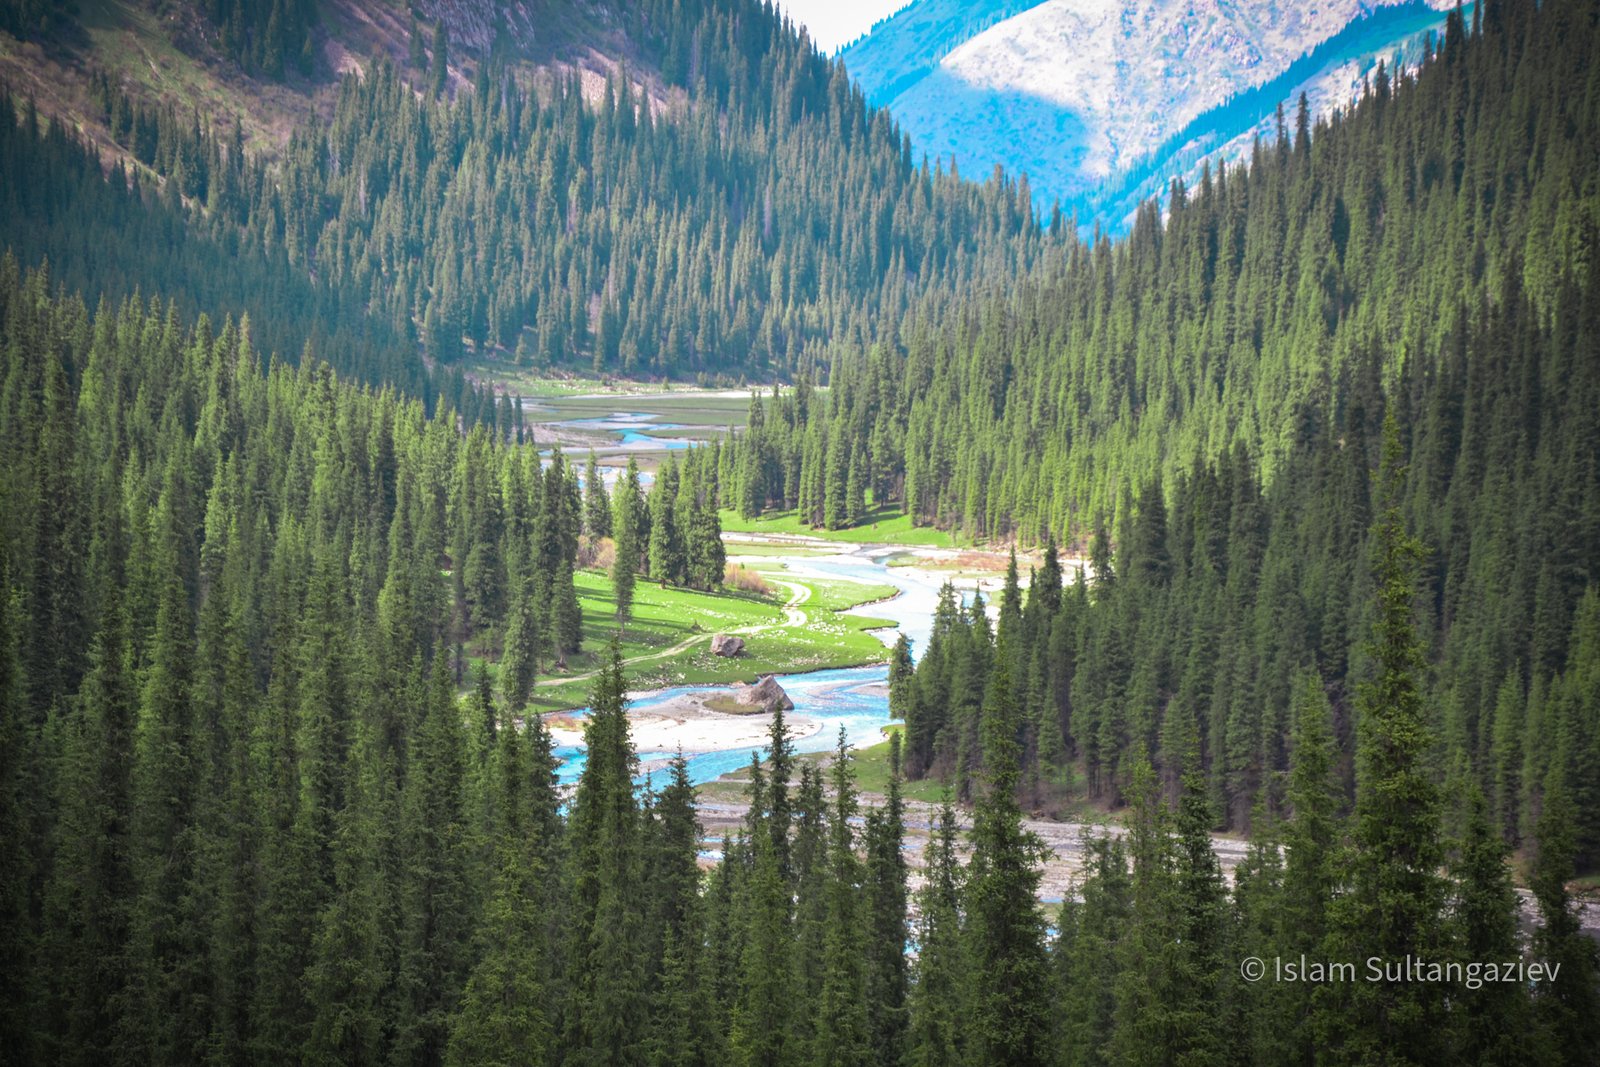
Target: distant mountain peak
x=1076, y=92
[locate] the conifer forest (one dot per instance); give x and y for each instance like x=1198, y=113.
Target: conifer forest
x=1176, y=639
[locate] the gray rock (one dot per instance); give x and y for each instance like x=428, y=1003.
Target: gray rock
x=727, y=645
x=768, y=695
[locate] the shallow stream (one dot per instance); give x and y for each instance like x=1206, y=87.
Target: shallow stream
x=854, y=698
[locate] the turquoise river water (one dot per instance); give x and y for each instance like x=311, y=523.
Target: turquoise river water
x=855, y=698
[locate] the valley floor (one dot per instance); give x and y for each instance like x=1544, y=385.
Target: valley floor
x=799, y=627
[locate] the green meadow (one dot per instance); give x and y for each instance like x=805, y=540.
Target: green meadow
x=884, y=525
x=668, y=640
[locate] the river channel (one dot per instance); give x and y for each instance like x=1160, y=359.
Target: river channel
x=855, y=698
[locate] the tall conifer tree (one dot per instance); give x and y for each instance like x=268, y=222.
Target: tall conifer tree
x=1010, y=1008
x=606, y=1018
x=1393, y=896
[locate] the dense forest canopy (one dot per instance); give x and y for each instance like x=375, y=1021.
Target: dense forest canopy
x=251, y=815
x=1199, y=408
x=240, y=610
x=1248, y=315
x=756, y=213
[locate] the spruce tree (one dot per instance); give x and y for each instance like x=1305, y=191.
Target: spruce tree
x=674, y=873
x=885, y=890
x=519, y=656
x=166, y=1019
x=678, y=1030
x=842, y=1035
x=440, y=903
x=605, y=1021
x=1269, y=1027
x=667, y=556
x=1204, y=929
x=87, y=904
x=779, y=809
x=566, y=615
x=1090, y=950
x=16, y=936
x=1507, y=753
x=346, y=979
x=1310, y=868
x=940, y=994
x=439, y=72
x=706, y=558
x=1391, y=903
x=505, y=1017
x=1566, y=1001
x=626, y=506
x=1491, y=1021
x=596, y=504
x=901, y=677
x=762, y=1024
x=809, y=878
x=417, y=54
x=1010, y=1005
x=1155, y=986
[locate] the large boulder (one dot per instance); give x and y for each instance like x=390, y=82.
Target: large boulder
x=768, y=695
x=727, y=645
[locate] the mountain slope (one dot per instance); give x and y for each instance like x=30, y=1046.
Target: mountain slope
x=1075, y=92
x=909, y=44
x=1210, y=394
x=179, y=53
x=742, y=217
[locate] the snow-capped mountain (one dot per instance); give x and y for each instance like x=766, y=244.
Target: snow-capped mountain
x=1100, y=100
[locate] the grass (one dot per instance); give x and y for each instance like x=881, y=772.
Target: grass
x=830, y=594
x=682, y=414
x=662, y=618
x=530, y=384
x=844, y=594
x=599, y=396
x=870, y=765
x=133, y=42
x=884, y=525
x=665, y=618
x=732, y=788
x=729, y=705
x=569, y=397
x=872, y=773
x=1587, y=885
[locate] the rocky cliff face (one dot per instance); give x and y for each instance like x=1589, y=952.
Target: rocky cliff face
x=171, y=53
x=531, y=26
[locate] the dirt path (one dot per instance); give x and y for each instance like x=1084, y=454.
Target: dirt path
x=645, y=657
x=794, y=616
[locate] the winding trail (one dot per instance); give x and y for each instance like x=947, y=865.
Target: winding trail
x=794, y=616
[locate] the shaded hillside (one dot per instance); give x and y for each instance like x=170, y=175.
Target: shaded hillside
x=761, y=214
